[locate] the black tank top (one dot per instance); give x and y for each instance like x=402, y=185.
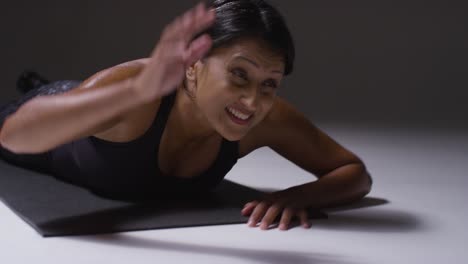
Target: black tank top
x=130, y=170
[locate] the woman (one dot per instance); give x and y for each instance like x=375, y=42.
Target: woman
x=178, y=121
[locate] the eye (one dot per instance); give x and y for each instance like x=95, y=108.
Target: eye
x=271, y=84
x=240, y=73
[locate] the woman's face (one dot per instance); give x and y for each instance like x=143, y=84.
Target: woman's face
x=243, y=77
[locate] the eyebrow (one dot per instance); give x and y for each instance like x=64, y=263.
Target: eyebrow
x=253, y=63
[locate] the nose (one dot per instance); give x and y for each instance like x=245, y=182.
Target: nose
x=249, y=99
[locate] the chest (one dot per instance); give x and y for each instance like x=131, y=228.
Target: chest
x=184, y=161
x=187, y=161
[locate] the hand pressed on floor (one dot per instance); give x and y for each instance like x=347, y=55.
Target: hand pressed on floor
x=283, y=203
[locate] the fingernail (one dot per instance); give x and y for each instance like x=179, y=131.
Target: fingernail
x=282, y=226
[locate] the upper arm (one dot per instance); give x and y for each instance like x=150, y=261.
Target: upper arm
x=114, y=74
x=102, y=80
x=289, y=133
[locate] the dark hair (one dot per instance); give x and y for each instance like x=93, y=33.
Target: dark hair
x=237, y=19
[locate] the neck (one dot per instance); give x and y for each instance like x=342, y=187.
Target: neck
x=190, y=123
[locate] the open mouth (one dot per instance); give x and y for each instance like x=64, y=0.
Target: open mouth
x=238, y=118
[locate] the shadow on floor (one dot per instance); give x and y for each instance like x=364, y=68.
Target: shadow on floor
x=363, y=203
x=373, y=219
x=248, y=255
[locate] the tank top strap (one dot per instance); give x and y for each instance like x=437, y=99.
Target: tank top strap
x=166, y=106
x=163, y=114
x=229, y=149
x=154, y=132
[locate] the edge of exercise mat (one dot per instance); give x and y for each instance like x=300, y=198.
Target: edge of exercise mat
x=56, y=231
x=24, y=218
x=45, y=232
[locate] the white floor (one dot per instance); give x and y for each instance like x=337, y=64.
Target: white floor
x=420, y=172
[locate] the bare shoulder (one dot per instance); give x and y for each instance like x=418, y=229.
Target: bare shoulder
x=258, y=136
x=133, y=123
x=115, y=73
x=291, y=134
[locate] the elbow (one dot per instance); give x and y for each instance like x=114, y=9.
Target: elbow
x=365, y=182
x=4, y=146
x=13, y=142
x=370, y=181
x=12, y=145
x=362, y=182
x=4, y=137
x=2, y=140
x=5, y=142
x=362, y=179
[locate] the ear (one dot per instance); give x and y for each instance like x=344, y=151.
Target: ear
x=194, y=69
x=190, y=81
x=190, y=74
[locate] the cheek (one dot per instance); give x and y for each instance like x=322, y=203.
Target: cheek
x=213, y=105
x=264, y=109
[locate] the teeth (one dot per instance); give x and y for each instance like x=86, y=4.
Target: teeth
x=238, y=114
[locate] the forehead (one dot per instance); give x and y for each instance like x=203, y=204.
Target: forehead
x=251, y=49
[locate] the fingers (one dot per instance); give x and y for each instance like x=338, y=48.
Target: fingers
x=267, y=213
x=186, y=26
x=197, y=49
x=202, y=19
x=258, y=213
x=270, y=216
x=304, y=218
x=248, y=208
x=179, y=34
x=286, y=219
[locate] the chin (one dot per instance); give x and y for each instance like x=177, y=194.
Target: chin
x=231, y=132
x=233, y=137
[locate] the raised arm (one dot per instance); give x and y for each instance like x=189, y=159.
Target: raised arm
x=99, y=103
x=96, y=105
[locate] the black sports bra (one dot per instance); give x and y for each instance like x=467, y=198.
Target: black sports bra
x=130, y=169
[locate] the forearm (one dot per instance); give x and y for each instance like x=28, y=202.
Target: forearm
x=48, y=121
x=341, y=186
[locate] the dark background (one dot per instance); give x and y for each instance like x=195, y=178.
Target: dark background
x=389, y=63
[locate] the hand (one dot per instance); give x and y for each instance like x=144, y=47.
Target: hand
x=174, y=52
x=284, y=202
